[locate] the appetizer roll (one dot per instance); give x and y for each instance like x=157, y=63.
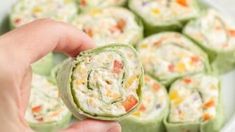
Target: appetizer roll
x=44, y=65
x=46, y=111
x=216, y=35
x=110, y=25
x=89, y=4
x=103, y=83
x=195, y=105
x=26, y=11
x=153, y=109
x=168, y=56
x=159, y=15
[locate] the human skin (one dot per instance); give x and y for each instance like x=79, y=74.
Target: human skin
x=18, y=50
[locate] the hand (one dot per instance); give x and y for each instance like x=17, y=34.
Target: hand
x=18, y=50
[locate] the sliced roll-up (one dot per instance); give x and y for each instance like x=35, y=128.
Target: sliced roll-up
x=89, y=4
x=170, y=55
x=46, y=112
x=103, y=83
x=162, y=15
x=53, y=73
x=153, y=109
x=110, y=25
x=44, y=65
x=25, y=11
x=195, y=105
x=215, y=33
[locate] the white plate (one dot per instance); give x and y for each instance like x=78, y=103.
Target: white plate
x=228, y=80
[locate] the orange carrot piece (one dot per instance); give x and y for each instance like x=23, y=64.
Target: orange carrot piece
x=206, y=117
x=83, y=2
x=142, y=108
x=182, y=2
x=117, y=66
x=157, y=43
x=187, y=80
x=160, y=41
x=156, y=86
x=232, y=33
x=209, y=104
x=37, y=109
x=130, y=102
x=171, y=68
x=121, y=23
x=195, y=59
x=88, y=31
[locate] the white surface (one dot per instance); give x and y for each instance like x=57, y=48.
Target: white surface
x=228, y=92
x=228, y=80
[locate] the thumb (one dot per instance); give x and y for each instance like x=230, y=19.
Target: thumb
x=89, y=125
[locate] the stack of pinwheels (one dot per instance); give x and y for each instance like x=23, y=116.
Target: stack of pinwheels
x=155, y=68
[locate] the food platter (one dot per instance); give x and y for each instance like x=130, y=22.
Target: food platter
x=228, y=83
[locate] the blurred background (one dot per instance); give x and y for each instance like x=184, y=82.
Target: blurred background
x=5, y=7
x=225, y=6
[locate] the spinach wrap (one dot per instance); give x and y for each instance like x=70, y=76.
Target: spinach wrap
x=89, y=4
x=103, y=83
x=162, y=15
x=215, y=33
x=46, y=111
x=195, y=105
x=153, y=109
x=25, y=11
x=170, y=55
x=110, y=25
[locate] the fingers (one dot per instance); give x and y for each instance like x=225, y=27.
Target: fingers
x=34, y=40
x=25, y=91
x=94, y=126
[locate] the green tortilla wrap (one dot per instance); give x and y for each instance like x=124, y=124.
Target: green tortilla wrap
x=86, y=5
x=195, y=105
x=103, y=83
x=153, y=109
x=110, y=25
x=25, y=11
x=164, y=15
x=170, y=55
x=215, y=33
x=46, y=111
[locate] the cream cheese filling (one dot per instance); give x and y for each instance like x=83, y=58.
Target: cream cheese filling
x=168, y=56
x=109, y=25
x=214, y=31
x=194, y=99
x=163, y=11
x=45, y=105
x=154, y=101
x=26, y=11
x=100, y=3
x=105, y=84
